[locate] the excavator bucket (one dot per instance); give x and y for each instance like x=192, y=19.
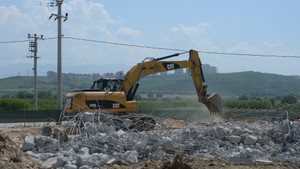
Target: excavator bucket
x=214, y=103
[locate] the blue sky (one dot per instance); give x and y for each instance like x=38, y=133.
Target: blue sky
x=265, y=27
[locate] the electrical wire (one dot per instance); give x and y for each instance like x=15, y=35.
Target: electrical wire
x=160, y=48
x=125, y=44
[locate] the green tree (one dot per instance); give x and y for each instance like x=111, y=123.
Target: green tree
x=243, y=97
x=24, y=95
x=272, y=100
x=150, y=95
x=289, y=99
x=45, y=94
x=14, y=104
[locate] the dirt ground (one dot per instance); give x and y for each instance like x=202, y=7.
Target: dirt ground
x=11, y=157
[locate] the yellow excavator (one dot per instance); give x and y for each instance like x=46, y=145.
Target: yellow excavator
x=117, y=95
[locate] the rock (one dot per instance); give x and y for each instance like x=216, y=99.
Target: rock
x=70, y=166
x=28, y=143
x=237, y=131
x=60, y=135
x=219, y=131
x=45, y=144
x=35, y=155
x=250, y=140
x=285, y=126
x=111, y=161
x=83, y=159
x=45, y=156
x=87, y=117
x=275, y=152
x=46, y=131
x=297, y=131
x=130, y=157
x=84, y=151
x=98, y=159
x=233, y=138
x=169, y=144
x=50, y=163
x=84, y=167
x=61, y=160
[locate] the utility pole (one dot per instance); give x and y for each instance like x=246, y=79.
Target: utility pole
x=58, y=16
x=33, y=47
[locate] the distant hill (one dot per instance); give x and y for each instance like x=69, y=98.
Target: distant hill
x=227, y=84
x=17, y=83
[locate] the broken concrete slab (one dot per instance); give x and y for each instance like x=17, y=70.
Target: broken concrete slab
x=28, y=143
x=250, y=140
x=233, y=138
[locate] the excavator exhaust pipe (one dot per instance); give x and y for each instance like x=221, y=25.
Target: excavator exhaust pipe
x=214, y=103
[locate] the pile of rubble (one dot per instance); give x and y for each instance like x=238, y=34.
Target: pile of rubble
x=91, y=142
x=12, y=157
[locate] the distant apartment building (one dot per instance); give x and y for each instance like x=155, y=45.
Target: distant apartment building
x=93, y=76
x=178, y=71
x=206, y=68
x=209, y=69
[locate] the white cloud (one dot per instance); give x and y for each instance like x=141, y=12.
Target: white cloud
x=129, y=32
x=190, y=37
x=271, y=45
x=192, y=31
x=243, y=47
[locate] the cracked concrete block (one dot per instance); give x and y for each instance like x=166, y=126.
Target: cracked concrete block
x=60, y=135
x=169, y=145
x=237, y=131
x=28, y=143
x=101, y=138
x=233, y=138
x=87, y=117
x=297, y=131
x=84, y=151
x=98, y=159
x=46, y=131
x=250, y=140
x=286, y=126
x=219, y=131
x=50, y=162
x=83, y=159
x=61, y=161
x=45, y=156
x=70, y=166
x=33, y=154
x=275, y=152
x=222, y=131
x=130, y=156
x=84, y=167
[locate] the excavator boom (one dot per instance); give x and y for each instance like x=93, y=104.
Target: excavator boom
x=116, y=95
x=131, y=81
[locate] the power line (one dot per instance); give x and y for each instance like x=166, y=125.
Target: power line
x=248, y=54
x=16, y=41
x=126, y=44
x=162, y=48
x=22, y=41
x=182, y=50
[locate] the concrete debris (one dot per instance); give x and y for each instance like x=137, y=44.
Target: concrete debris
x=46, y=131
x=28, y=143
x=94, y=140
x=234, y=138
x=250, y=140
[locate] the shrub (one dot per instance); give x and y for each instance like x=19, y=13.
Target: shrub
x=14, y=104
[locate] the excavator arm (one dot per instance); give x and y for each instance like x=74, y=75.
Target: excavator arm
x=131, y=80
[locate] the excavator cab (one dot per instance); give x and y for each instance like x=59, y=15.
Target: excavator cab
x=107, y=85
